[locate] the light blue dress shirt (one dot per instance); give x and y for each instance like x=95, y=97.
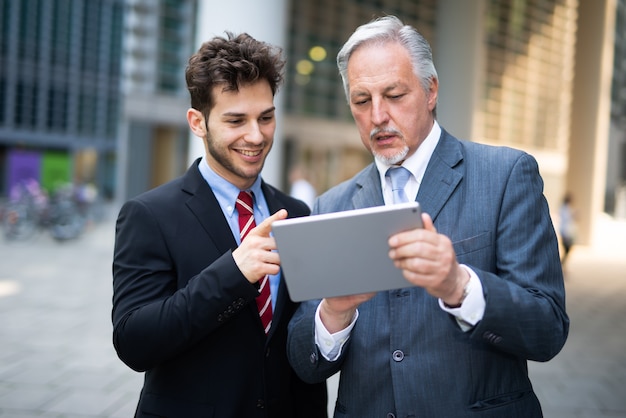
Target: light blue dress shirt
x=226, y=194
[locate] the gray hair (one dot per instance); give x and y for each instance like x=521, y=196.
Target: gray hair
x=390, y=29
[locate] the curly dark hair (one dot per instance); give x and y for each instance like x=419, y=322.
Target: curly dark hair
x=231, y=61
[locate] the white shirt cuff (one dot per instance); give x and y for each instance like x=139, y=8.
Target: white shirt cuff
x=472, y=309
x=330, y=345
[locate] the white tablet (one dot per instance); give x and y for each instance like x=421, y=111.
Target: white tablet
x=342, y=253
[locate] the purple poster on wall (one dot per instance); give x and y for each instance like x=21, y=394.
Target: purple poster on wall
x=22, y=166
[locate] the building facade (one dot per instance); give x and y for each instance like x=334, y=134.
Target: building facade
x=514, y=87
x=513, y=73
x=93, y=90
x=60, y=64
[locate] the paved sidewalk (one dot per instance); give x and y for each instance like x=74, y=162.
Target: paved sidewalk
x=56, y=357
x=588, y=378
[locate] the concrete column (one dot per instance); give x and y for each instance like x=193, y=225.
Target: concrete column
x=459, y=54
x=264, y=20
x=591, y=106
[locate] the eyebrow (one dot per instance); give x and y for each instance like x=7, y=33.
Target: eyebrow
x=385, y=90
x=239, y=114
x=358, y=94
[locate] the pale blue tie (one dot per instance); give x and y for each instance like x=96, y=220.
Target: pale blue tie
x=399, y=177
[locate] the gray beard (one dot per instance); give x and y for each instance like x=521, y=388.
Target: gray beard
x=394, y=159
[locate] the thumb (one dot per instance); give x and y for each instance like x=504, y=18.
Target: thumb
x=264, y=228
x=428, y=223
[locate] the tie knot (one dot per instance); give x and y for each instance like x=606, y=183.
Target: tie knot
x=244, y=201
x=399, y=177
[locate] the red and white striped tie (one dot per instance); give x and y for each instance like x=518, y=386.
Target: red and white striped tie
x=246, y=223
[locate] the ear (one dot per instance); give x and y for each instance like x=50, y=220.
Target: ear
x=195, y=119
x=433, y=92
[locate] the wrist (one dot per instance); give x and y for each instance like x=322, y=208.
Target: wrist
x=459, y=297
x=335, y=320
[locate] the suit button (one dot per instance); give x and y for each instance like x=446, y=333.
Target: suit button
x=398, y=355
x=491, y=337
x=391, y=415
x=260, y=404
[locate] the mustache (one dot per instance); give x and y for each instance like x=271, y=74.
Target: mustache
x=377, y=131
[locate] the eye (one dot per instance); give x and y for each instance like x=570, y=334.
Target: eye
x=267, y=118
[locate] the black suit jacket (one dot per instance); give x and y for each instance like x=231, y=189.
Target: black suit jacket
x=185, y=314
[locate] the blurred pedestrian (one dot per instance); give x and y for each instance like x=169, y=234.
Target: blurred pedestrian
x=301, y=188
x=567, y=226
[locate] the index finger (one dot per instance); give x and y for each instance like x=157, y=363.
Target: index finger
x=265, y=227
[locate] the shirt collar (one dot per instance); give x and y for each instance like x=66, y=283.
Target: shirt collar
x=225, y=192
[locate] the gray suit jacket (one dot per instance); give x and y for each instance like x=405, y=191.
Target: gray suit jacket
x=408, y=357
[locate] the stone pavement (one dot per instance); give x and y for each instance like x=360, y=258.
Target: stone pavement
x=57, y=360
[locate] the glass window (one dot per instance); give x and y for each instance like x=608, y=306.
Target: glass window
x=175, y=34
x=25, y=105
x=61, y=33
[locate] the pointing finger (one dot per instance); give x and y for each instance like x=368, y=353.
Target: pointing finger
x=264, y=228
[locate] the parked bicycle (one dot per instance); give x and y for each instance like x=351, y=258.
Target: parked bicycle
x=65, y=214
x=26, y=210
x=66, y=220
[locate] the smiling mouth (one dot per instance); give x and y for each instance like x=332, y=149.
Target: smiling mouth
x=249, y=153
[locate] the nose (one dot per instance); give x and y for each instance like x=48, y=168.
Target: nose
x=379, y=112
x=254, y=134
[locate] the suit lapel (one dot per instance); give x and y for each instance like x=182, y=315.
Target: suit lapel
x=207, y=210
x=442, y=175
x=370, y=192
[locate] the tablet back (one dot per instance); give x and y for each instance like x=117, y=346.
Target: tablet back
x=342, y=253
